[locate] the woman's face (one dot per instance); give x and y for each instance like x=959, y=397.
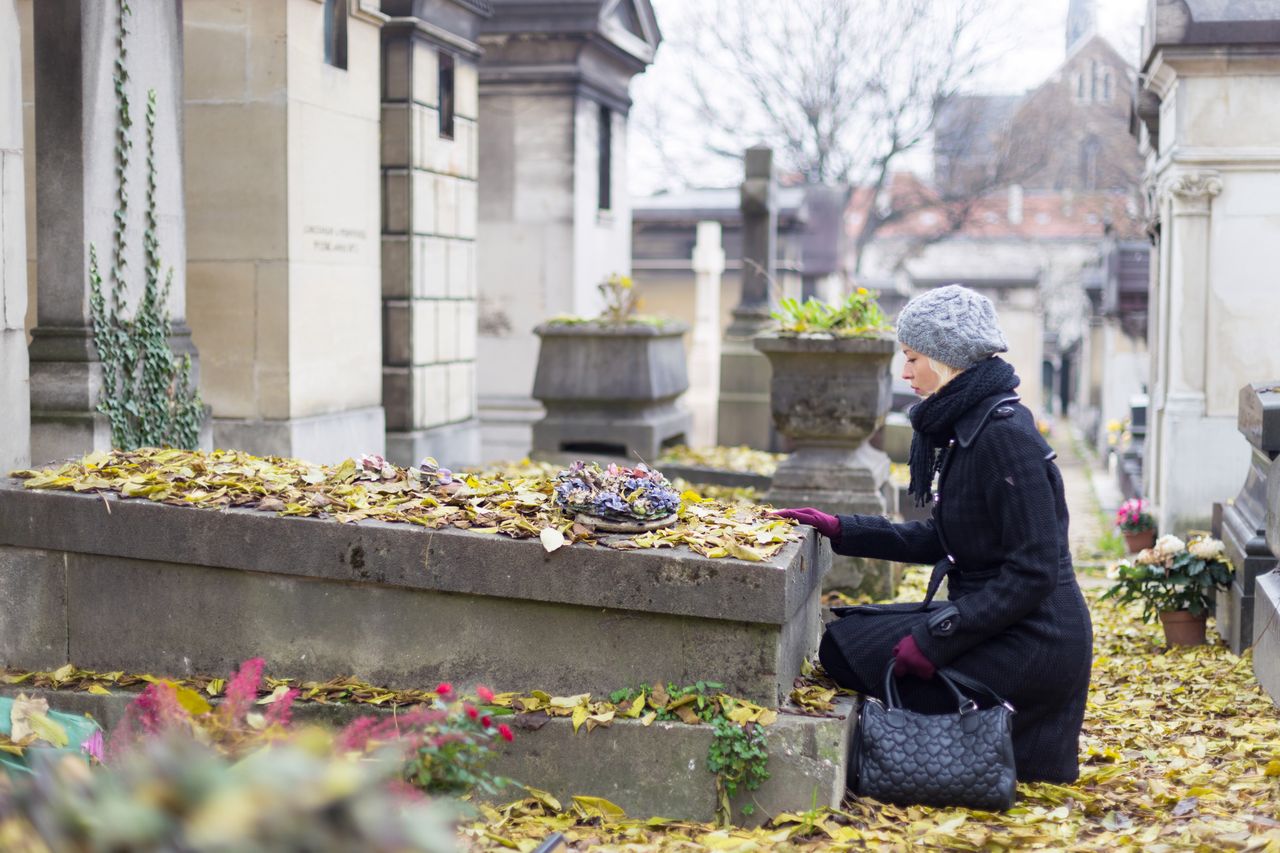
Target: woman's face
x=917, y=371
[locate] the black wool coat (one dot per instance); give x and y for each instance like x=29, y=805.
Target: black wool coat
x=1021, y=626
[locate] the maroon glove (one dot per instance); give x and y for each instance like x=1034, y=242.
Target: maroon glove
x=909, y=660
x=827, y=525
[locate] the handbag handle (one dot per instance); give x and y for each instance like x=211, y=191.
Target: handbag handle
x=953, y=679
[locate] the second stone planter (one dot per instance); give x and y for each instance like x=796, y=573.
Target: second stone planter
x=611, y=391
x=828, y=395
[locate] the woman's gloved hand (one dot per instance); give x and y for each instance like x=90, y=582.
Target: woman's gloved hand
x=827, y=525
x=909, y=660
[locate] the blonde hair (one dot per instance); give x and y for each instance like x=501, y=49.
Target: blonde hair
x=945, y=372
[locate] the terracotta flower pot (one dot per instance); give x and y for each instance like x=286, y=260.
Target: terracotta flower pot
x=1135, y=542
x=1182, y=628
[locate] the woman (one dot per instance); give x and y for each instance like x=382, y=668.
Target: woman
x=1016, y=619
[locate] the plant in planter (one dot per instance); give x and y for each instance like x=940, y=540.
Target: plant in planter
x=1136, y=524
x=830, y=391
x=1175, y=581
x=610, y=383
x=859, y=315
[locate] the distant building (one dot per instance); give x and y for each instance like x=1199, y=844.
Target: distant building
x=1068, y=174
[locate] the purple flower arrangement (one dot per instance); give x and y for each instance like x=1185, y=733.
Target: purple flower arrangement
x=616, y=493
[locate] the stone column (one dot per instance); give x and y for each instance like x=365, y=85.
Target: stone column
x=704, y=355
x=1178, y=359
x=429, y=150
x=15, y=408
x=744, y=372
x=75, y=54
x=1241, y=523
x=554, y=215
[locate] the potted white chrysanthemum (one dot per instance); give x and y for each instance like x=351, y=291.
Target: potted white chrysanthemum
x=1175, y=581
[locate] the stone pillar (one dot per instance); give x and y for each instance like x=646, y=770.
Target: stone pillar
x=1176, y=470
x=744, y=372
x=284, y=211
x=554, y=215
x=15, y=401
x=1241, y=524
x=75, y=53
x=429, y=151
x=704, y=354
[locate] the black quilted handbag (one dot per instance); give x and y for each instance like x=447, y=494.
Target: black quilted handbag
x=961, y=759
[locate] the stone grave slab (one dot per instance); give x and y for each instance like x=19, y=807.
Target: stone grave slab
x=111, y=583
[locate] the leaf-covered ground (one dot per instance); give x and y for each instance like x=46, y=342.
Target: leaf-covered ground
x=1181, y=751
x=516, y=501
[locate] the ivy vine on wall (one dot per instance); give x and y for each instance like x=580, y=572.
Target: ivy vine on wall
x=147, y=393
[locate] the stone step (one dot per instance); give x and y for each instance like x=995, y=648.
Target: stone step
x=117, y=584
x=658, y=770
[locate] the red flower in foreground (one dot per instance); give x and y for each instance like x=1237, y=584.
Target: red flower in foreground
x=484, y=693
x=472, y=712
x=486, y=721
x=443, y=689
x=505, y=731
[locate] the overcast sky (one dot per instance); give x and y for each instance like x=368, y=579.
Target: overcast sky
x=1036, y=29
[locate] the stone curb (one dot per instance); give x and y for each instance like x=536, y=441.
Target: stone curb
x=654, y=771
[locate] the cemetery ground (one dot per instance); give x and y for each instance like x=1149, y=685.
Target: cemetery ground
x=1181, y=751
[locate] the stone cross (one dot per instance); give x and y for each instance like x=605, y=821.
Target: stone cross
x=744, y=373
x=759, y=194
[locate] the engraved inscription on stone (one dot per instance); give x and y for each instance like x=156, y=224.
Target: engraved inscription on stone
x=326, y=238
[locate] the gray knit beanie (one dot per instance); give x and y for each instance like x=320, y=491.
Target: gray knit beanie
x=953, y=325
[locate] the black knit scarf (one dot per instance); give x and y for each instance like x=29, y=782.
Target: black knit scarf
x=934, y=418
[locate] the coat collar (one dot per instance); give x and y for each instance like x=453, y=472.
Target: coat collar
x=972, y=421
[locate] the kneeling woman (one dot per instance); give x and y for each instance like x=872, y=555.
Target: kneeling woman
x=1016, y=619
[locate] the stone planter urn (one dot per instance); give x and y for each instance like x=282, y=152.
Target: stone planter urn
x=828, y=395
x=610, y=390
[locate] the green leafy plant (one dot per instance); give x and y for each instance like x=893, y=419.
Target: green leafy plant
x=859, y=315
x=739, y=756
x=147, y=393
x=739, y=752
x=1173, y=575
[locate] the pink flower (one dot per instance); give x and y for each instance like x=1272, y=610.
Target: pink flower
x=472, y=712
x=505, y=731
x=484, y=693
x=92, y=746
x=280, y=711
x=443, y=689
x=486, y=721
x=242, y=691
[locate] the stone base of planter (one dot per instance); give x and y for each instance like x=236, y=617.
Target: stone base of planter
x=1266, y=633
x=650, y=771
x=634, y=433
x=846, y=482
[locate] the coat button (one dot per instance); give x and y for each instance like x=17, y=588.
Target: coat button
x=1003, y=412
